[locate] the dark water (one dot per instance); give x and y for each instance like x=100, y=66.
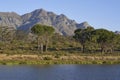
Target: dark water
x=60, y=72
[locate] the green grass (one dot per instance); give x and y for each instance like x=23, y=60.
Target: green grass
x=57, y=62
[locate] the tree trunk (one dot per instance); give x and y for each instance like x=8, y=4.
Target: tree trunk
x=41, y=47
x=112, y=50
x=102, y=50
x=83, y=48
x=46, y=46
x=38, y=44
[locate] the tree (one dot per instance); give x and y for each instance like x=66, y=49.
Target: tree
x=6, y=35
x=20, y=39
x=21, y=35
x=47, y=35
x=43, y=34
x=83, y=35
x=105, y=39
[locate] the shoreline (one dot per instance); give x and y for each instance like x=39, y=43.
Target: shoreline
x=53, y=59
x=45, y=62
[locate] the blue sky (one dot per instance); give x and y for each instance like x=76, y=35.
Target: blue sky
x=98, y=13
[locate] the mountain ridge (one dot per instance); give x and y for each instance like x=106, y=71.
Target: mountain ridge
x=61, y=23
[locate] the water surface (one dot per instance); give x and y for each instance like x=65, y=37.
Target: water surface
x=60, y=72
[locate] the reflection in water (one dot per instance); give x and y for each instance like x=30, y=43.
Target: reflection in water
x=60, y=72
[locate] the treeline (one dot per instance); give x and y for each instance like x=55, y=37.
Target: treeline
x=40, y=39
x=43, y=39
x=97, y=40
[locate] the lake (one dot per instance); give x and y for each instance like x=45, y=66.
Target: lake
x=60, y=72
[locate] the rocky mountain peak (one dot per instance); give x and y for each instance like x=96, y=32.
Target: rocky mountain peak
x=83, y=25
x=41, y=12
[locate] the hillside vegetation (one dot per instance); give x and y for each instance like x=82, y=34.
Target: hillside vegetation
x=43, y=38
x=42, y=43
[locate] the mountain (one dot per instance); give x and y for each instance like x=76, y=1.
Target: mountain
x=10, y=19
x=83, y=25
x=117, y=32
x=61, y=23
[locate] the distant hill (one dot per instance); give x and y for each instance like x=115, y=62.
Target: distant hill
x=117, y=32
x=61, y=23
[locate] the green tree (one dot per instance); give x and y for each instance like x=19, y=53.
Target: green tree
x=20, y=39
x=43, y=34
x=6, y=36
x=48, y=33
x=21, y=35
x=83, y=36
x=105, y=39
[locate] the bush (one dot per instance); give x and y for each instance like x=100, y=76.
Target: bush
x=47, y=58
x=57, y=56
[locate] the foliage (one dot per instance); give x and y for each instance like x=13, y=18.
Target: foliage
x=93, y=40
x=43, y=33
x=106, y=39
x=83, y=36
x=43, y=38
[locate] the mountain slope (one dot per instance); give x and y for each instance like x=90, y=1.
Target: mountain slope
x=10, y=19
x=61, y=23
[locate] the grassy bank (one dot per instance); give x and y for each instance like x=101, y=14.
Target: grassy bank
x=57, y=62
x=57, y=59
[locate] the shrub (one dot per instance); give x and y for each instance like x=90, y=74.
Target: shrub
x=47, y=58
